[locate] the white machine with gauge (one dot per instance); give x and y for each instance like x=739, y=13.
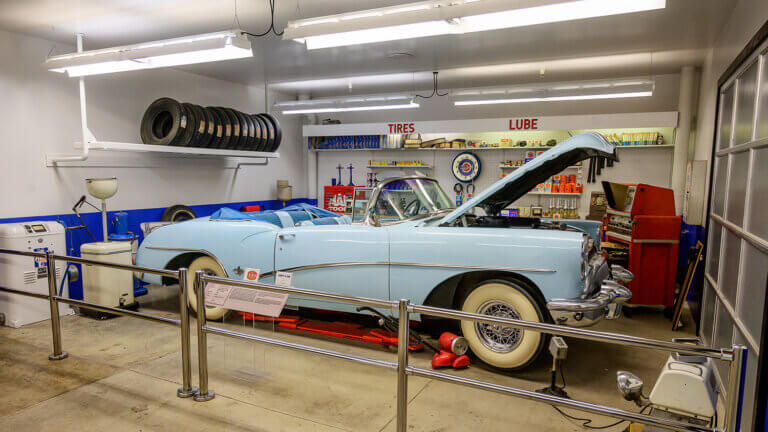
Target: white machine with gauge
x=103, y=285
x=685, y=391
x=30, y=274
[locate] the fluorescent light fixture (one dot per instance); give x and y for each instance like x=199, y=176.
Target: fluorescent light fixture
x=553, y=98
x=354, y=103
x=441, y=17
x=204, y=48
x=557, y=92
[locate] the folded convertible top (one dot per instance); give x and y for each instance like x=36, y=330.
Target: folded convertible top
x=293, y=215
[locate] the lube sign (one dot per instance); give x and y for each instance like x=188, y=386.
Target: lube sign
x=524, y=124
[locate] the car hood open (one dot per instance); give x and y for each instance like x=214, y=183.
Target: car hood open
x=522, y=180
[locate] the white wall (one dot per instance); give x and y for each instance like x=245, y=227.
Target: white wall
x=40, y=113
x=652, y=166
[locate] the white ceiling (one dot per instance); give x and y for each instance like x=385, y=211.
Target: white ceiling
x=625, y=45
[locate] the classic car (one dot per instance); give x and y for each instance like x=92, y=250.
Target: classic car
x=413, y=243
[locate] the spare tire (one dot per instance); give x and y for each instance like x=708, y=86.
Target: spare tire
x=206, y=118
x=190, y=136
x=270, y=133
x=278, y=131
x=261, y=134
x=178, y=213
x=163, y=122
x=226, y=127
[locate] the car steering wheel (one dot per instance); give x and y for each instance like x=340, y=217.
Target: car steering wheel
x=412, y=212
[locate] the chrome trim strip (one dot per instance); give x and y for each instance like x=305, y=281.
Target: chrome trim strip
x=472, y=267
x=404, y=264
x=202, y=251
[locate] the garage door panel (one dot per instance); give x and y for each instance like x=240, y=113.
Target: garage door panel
x=745, y=105
x=750, y=382
x=762, y=122
x=758, y=193
x=713, y=250
x=729, y=275
x=707, y=314
x=721, y=178
x=737, y=187
x=752, y=295
x=723, y=335
x=726, y=117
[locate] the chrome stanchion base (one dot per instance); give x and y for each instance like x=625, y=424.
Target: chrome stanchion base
x=61, y=356
x=186, y=393
x=199, y=397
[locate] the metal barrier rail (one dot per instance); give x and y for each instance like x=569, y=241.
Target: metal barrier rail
x=187, y=390
x=736, y=355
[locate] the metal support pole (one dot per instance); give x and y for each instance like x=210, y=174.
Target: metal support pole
x=186, y=390
x=58, y=354
x=203, y=394
x=735, y=389
x=403, y=339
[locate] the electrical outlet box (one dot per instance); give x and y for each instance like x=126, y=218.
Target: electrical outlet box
x=558, y=348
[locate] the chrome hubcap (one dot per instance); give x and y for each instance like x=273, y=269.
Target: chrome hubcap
x=497, y=337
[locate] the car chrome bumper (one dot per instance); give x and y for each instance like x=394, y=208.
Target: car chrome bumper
x=606, y=303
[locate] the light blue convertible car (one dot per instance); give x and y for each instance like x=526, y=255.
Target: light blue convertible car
x=412, y=243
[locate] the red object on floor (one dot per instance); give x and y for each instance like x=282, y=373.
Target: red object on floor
x=341, y=329
x=460, y=362
x=253, y=208
x=444, y=358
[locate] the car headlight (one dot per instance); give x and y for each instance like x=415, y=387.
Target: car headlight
x=585, y=247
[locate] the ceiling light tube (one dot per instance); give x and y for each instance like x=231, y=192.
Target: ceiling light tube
x=554, y=98
x=204, y=48
x=585, y=90
x=442, y=17
x=348, y=109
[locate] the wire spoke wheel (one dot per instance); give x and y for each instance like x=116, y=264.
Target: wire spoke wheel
x=496, y=337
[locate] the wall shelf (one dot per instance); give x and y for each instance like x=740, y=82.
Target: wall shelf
x=668, y=146
x=554, y=194
x=400, y=166
x=168, y=150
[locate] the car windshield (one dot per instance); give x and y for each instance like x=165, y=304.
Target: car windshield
x=409, y=198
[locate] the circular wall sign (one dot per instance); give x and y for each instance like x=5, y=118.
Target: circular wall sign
x=466, y=167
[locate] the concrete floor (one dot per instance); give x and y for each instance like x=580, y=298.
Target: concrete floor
x=122, y=375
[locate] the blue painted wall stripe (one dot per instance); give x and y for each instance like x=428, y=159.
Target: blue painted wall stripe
x=76, y=238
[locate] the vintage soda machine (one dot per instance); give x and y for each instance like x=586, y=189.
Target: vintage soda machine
x=642, y=217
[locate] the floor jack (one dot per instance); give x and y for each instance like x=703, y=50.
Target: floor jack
x=559, y=349
x=450, y=351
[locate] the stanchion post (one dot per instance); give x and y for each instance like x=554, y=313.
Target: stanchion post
x=735, y=389
x=203, y=394
x=57, y=354
x=403, y=339
x=186, y=390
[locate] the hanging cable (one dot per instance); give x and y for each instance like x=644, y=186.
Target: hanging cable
x=271, y=22
x=435, y=91
x=586, y=422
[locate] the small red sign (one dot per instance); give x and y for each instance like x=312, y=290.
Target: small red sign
x=252, y=275
x=524, y=124
x=401, y=128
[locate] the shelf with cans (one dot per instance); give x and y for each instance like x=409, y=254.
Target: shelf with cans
x=628, y=138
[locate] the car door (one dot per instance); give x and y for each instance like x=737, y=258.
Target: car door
x=342, y=259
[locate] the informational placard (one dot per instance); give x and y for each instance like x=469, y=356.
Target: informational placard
x=251, y=300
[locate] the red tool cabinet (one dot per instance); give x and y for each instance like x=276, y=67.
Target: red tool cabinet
x=643, y=217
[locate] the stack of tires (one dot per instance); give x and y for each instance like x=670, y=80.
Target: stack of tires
x=171, y=123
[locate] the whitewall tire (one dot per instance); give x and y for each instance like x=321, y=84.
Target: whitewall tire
x=209, y=266
x=499, y=346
